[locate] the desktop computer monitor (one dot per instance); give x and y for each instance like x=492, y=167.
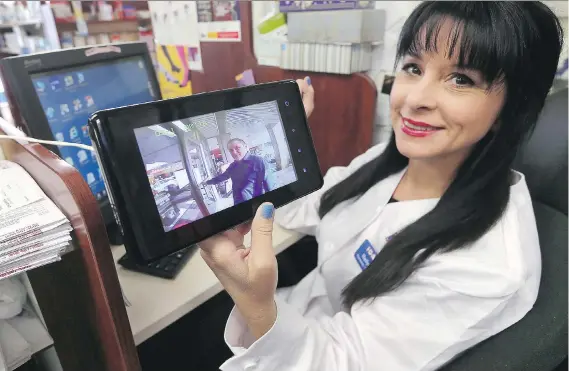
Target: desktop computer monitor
x=51, y=96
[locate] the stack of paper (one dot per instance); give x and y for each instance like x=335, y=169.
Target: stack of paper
x=328, y=58
x=33, y=231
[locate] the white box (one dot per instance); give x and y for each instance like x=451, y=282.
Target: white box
x=341, y=26
x=327, y=58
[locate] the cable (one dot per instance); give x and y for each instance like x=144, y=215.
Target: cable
x=34, y=140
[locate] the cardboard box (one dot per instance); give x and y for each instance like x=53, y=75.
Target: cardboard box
x=342, y=26
x=299, y=6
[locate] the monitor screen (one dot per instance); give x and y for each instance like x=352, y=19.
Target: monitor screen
x=204, y=164
x=69, y=96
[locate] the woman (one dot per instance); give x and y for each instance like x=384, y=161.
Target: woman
x=427, y=245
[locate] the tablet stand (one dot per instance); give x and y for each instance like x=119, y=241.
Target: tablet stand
x=167, y=267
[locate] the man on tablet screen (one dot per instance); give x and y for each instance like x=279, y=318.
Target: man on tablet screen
x=249, y=174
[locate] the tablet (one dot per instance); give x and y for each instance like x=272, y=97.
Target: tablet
x=180, y=170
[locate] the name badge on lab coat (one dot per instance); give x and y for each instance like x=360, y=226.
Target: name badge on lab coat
x=365, y=254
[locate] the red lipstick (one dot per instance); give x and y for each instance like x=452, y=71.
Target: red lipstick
x=417, y=128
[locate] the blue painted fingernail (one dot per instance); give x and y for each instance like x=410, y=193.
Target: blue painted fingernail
x=267, y=211
x=308, y=81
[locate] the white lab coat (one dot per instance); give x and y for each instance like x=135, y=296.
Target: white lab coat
x=454, y=301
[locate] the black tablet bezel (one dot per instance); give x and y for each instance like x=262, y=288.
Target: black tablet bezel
x=113, y=132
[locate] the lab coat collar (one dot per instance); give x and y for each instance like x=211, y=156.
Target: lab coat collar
x=365, y=209
x=359, y=214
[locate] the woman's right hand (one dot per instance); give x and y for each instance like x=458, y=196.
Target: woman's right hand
x=307, y=92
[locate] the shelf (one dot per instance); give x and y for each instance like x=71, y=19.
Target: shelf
x=20, y=24
x=96, y=26
x=96, y=21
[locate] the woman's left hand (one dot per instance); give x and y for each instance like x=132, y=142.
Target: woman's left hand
x=248, y=274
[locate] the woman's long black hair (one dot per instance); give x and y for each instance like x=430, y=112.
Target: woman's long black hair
x=515, y=45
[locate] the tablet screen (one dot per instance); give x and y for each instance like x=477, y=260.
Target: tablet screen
x=201, y=165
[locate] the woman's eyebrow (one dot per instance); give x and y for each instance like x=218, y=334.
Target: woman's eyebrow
x=464, y=65
x=468, y=69
x=413, y=54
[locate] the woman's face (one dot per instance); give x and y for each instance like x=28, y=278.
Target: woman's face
x=439, y=110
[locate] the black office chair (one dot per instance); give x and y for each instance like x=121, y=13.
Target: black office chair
x=539, y=341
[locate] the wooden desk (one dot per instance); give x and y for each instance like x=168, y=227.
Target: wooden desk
x=157, y=302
